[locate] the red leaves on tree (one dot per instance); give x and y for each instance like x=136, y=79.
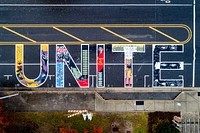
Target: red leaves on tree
x=4, y=121
x=85, y=130
x=63, y=130
x=97, y=129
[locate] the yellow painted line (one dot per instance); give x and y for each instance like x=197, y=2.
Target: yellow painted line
x=93, y=25
x=18, y=34
x=64, y=32
x=164, y=34
x=115, y=34
x=98, y=42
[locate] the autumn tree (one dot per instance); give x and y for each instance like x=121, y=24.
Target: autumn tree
x=4, y=120
x=159, y=119
x=165, y=127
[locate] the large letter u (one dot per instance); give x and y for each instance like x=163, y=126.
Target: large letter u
x=19, y=66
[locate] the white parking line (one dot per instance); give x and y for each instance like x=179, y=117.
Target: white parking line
x=145, y=80
x=92, y=64
x=7, y=76
x=50, y=76
x=91, y=5
x=194, y=44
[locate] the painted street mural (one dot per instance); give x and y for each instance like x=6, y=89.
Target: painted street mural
x=19, y=67
x=98, y=66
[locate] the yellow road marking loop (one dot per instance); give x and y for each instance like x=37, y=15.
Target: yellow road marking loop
x=102, y=26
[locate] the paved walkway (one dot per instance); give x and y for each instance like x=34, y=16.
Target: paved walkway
x=187, y=101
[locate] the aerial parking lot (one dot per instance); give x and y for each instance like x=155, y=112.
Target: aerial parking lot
x=88, y=44
x=100, y=56
x=99, y=45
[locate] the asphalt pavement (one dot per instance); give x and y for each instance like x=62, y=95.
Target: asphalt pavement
x=97, y=15
x=88, y=14
x=95, y=2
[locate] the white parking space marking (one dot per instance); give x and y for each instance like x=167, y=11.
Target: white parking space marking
x=145, y=80
x=194, y=43
x=50, y=76
x=8, y=76
x=93, y=5
x=92, y=64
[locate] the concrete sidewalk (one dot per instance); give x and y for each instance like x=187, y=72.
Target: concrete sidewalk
x=185, y=101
